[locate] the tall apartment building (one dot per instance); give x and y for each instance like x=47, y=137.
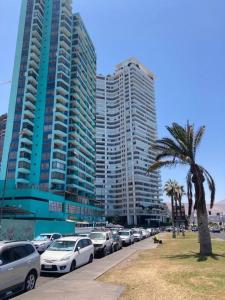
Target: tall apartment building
x=50, y=135
x=3, y=119
x=125, y=130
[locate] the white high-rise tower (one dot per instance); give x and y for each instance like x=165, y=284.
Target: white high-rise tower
x=125, y=130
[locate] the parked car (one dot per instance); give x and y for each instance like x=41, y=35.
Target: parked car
x=215, y=230
x=44, y=240
x=151, y=231
x=137, y=234
x=117, y=242
x=19, y=267
x=66, y=254
x=103, y=242
x=127, y=236
x=84, y=234
x=144, y=233
x=194, y=228
x=169, y=229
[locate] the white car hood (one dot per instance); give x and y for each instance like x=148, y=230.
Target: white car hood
x=55, y=255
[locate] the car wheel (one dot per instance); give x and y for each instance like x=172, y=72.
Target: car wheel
x=104, y=252
x=30, y=281
x=90, y=259
x=111, y=249
x=73, y=266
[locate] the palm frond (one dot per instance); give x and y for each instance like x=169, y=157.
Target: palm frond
x=190, y=139
x=179, y=134
x=198, y=137
x=211, y=185
x=169, y=146
x=164, y=163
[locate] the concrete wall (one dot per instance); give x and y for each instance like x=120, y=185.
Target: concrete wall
x=18, y=229
x=27, y=229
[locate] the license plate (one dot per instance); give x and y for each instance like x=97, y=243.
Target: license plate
x=47, y=266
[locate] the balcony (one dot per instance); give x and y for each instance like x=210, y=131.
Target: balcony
x=35, y=56
x=29, y=105
x=28, y=114
x=60, y=115
x=62, y=90
x=60, y=107
x=65, y=29
x=33, y=64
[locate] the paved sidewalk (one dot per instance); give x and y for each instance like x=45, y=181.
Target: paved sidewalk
x=81, y=284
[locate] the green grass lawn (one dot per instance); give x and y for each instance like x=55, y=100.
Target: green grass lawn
x=174, y=270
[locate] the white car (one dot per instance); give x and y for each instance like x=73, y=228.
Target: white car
x=137, y=235
x=126, y=236
x=66, y=254
x=19, y=267
x=103, y=242
x=144, y=233
x=44, y=240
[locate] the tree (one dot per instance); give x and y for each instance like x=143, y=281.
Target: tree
x=179, y=195
x=170, y=188
x=181, y=149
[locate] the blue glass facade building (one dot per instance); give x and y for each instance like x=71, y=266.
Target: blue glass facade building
x=50, y=135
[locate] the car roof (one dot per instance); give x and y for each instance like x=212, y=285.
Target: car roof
x=49, y=233
x=100, y=231
x=72, y=238
x=13, y=242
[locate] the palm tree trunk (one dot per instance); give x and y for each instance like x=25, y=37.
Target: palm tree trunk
x=202, y=217
x=204, y=233
x=173, y=231
x=176, y=209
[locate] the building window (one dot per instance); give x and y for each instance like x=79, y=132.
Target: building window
x=55, y=206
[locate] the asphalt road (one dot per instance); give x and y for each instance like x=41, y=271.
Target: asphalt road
x=47, y=277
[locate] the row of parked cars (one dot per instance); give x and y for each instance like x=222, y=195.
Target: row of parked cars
x=21, y=262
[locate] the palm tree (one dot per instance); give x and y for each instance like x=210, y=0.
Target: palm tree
x=181, y=149
x=180, y=193
x=171, y=189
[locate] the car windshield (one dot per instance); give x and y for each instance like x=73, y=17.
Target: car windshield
x=43, y=237
x=124, y=233
x=97, y=236
x=135, y=231
x=62, y=246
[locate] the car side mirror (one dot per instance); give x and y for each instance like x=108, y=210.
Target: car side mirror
x=107, y=238
x=1, y=262
x=78, y=249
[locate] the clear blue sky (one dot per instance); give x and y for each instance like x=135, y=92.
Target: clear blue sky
x=182, y=42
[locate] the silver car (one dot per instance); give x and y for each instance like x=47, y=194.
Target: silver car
x=19, y=267
x=44, y=240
